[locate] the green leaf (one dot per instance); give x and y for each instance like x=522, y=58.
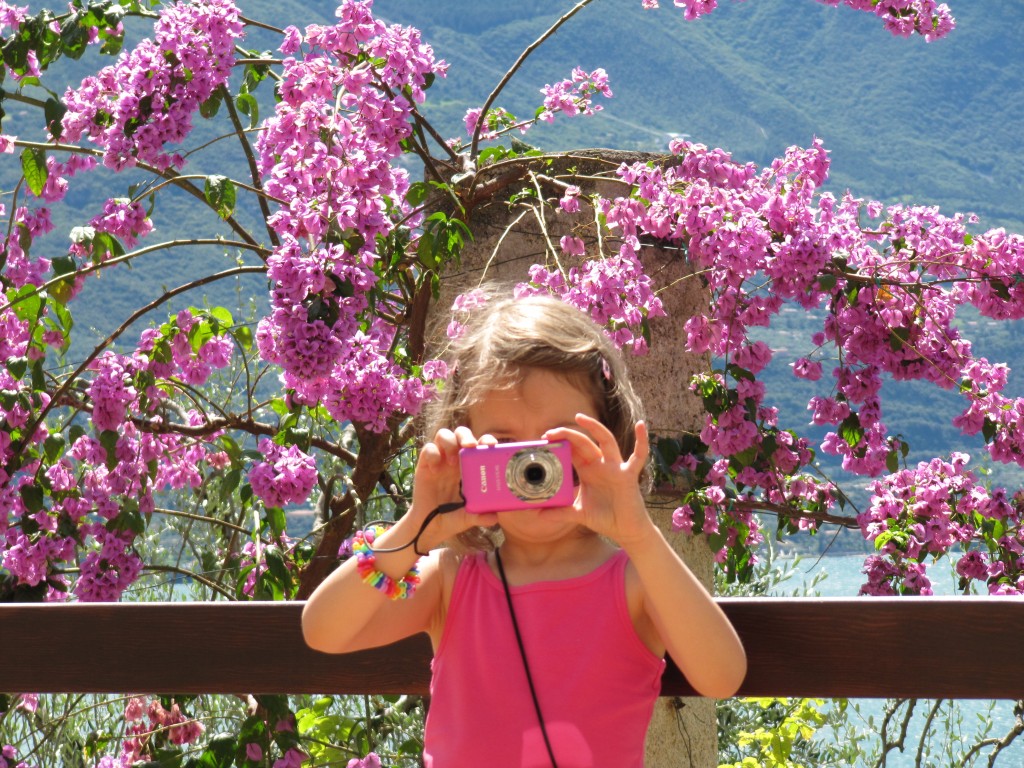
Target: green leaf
x=223, y=316
x=53, y=113
x=417, y=193
x=249, y=107
x=108, y=439
x=32, y=498
x=851, y=431
x=211, y=106
x=276, y=564
x=827, y=281
x=53, y=446
x=892, y=461
x=243, y=335
x=17, y=366
x=221, y=195
x=277, y=520
x=899, y=338
x=219, y=752
x=33, y=166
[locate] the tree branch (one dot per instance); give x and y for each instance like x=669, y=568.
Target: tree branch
x=515, y=68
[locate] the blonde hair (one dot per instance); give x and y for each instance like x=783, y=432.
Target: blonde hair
x=508, y=337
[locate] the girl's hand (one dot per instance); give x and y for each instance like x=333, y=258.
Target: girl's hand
x=609, y=501
x=438, y=480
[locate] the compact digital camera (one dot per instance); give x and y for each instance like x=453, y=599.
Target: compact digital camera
x=512, y=476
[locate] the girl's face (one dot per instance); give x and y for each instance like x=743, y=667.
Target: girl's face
x=542, y=401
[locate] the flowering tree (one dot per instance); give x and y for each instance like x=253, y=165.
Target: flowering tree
x=186, y=413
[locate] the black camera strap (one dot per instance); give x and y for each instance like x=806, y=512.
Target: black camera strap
x=415, y=543
x=522, y=654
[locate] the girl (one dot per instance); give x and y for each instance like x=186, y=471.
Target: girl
x=549, y=626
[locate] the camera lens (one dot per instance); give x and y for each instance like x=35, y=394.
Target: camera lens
x=533, y=474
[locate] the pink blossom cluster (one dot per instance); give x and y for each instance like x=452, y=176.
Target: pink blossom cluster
x=723, y=501
x=889, y=312
x=287, y=475
x=575, y=95
x=92, y=494
x=145, y=101
x=293, y=758
x=105, y=479
x=27, y=224
x=8, y=754
x=925, y=512
x=108, y=571
x=346, y=105
x=759, y=239
x=11, y=16
x=126, y=220
x=497, y=122
x=187, y=349
x=615, y=291
x=151, y=722
x=904, y=18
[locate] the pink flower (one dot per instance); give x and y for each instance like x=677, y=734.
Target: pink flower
x=286, y=477
x=293, y=758
x=253, y=752
x=807, y=369
x=570, y=202
x=575, y=95
x=370, y=761
x=134, y=709
x=573, y=246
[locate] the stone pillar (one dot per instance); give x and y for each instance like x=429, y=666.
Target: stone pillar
x=511, y=237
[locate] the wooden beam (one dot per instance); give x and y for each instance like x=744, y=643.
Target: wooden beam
x=831, y=647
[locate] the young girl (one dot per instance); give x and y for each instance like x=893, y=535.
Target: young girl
x=549, y=626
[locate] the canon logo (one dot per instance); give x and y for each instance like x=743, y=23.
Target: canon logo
x=483, y=479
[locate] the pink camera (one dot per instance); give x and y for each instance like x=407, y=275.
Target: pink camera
x=512, y=476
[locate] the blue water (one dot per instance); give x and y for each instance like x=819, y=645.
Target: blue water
x=843, y=579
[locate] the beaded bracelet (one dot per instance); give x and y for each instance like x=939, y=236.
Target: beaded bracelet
x=366, y=563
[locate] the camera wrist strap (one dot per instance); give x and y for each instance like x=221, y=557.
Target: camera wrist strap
x=415, y=543
x=522, y=654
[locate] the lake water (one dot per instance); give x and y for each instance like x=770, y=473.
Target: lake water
x=843, y=579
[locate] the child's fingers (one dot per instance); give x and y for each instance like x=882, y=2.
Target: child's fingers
x=602, y=437
x=465, y=438
x=585, y=451
x=641, y=448
x=430, y=456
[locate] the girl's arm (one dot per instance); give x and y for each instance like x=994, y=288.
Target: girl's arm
x=695, y=631
x=683, y=615
x=346, y=614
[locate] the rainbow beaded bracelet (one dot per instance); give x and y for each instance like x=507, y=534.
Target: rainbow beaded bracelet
x=366, y=563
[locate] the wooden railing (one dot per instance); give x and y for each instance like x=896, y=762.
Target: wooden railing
x=928, y=647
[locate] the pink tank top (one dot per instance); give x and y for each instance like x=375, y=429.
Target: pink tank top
x=596, y=680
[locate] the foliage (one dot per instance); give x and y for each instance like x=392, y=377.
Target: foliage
x=792, y=724
x=214, y=422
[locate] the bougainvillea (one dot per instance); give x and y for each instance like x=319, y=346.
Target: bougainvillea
x=311, y=402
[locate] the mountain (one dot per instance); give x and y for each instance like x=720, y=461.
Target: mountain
x=937, y=123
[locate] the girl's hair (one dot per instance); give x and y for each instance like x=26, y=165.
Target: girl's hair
x=506, y=338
